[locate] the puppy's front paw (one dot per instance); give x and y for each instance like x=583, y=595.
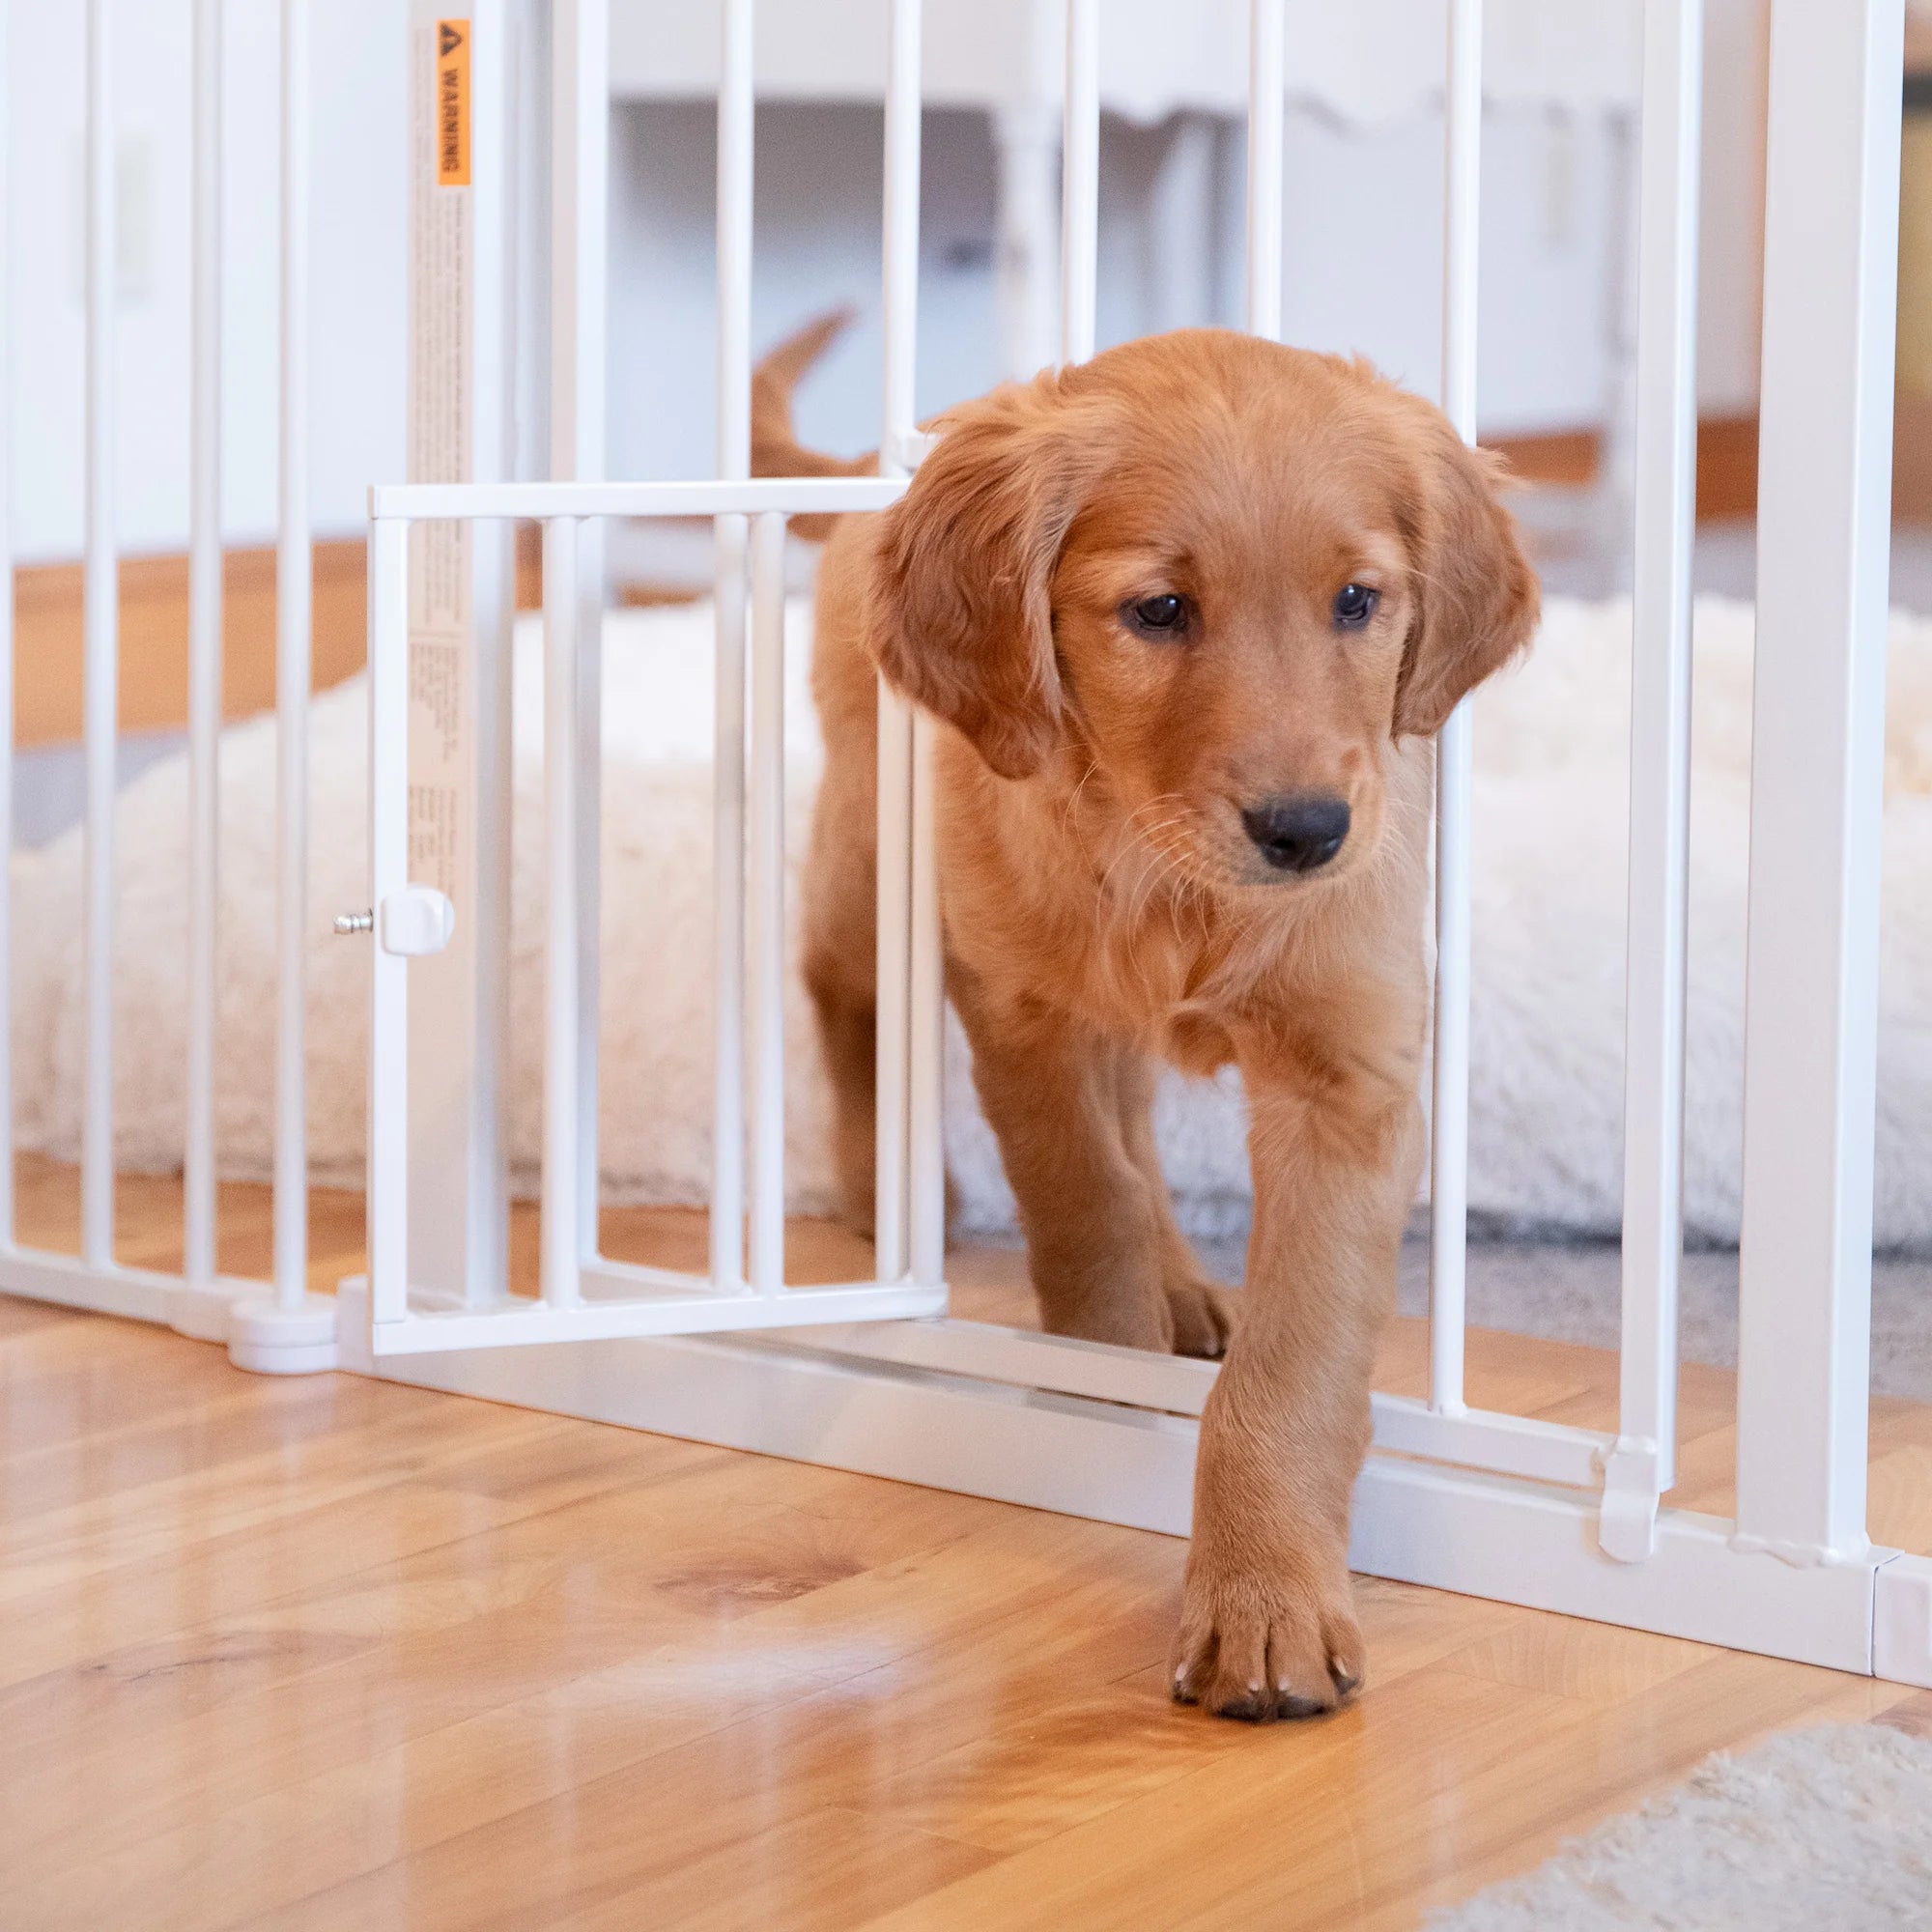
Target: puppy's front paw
x=1202, y=1316
x=1261, y=1644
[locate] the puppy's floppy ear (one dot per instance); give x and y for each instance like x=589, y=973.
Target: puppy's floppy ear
x=961, y=618
x=1477, y=598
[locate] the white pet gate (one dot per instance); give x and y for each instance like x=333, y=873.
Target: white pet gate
x=872, y=1375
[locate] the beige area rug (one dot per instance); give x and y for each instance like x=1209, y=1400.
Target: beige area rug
x=1546, y=1130
x=1818, y=1831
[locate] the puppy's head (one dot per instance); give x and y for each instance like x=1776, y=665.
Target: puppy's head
x=1223, y=573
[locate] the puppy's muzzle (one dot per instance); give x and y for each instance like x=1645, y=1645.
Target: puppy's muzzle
x=1299, y=832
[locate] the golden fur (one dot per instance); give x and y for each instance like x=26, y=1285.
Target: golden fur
x=1106, y=906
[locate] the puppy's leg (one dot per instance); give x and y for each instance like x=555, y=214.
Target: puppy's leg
x=1267, y=1618
x=840, y=963
x=846, y=1021
x=1202, y=1311
x=1093, y=1240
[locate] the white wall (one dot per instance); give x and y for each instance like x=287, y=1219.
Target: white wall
x=357, y=239
x=1731, y=233
x=1362, y=249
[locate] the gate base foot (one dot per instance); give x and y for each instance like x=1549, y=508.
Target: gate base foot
x=271, y=1340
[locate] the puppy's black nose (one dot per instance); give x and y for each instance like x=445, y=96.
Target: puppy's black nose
x=1299, y=832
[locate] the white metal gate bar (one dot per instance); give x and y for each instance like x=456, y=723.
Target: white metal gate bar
x=1643, y=1465
x=580, y=212
x=293, y=597
x=1267, y=114
x=1817, y=759
x=731, y=540
x=101, y=592
x=5, y=651
x=765, y=943
x=203, y=676
x=892, y=969
x=893, y=1102
x=1449, y=1098
x=289, y=1328
x=1080, y=176
x=923, y=1256
x=387, y=1225
x=564, y=1236
x=926, y=983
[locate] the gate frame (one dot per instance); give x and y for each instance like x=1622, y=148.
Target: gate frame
x=1495, y=1505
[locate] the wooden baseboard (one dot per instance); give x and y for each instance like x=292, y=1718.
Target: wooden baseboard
x=48, y=639
x=1911, y=460
x=1726, y=462
x=1727, y=466
x=1568, y=458
x=47, y=635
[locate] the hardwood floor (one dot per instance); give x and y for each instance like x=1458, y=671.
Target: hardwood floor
x=329, y=1652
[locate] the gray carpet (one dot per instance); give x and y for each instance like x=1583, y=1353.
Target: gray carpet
x=1567, y=1291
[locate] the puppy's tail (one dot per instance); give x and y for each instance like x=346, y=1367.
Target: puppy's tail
x=776, y=450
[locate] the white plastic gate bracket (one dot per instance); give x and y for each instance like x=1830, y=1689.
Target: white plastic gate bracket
x=415, y=921
x=909, y=448
x=1626, y=1521
x=1902, y=1619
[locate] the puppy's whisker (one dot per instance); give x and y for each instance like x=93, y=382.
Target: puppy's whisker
x=1164, y=870
x=1154, y=853
x=1134, y=844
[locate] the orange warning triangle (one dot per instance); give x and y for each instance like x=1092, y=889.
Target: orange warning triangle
x=452, y=38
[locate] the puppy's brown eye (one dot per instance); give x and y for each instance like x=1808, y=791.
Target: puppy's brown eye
x=1354, y=604
x=1165, y=616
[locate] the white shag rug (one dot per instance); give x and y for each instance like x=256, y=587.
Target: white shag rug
x=1818, y=1831
x=1549, y=883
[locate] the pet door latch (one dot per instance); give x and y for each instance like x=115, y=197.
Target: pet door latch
x=416, y=921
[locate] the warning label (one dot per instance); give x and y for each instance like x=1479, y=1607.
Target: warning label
x=452, y=103
x=442, y=388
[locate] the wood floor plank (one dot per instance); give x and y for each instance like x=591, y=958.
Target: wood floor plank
x=1566, y=1657
x=188, y=1694
x=889, y=1742
x=548, y=1757
x=358, y=1521
x=823, y=1872
x=327, y=1651
x=1352, y=1821
x=1081, y=1756
x=206, y=1508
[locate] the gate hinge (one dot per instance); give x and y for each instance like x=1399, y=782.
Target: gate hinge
x=1627, y=1520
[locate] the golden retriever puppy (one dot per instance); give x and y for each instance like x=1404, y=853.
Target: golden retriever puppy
x=1191, y=614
